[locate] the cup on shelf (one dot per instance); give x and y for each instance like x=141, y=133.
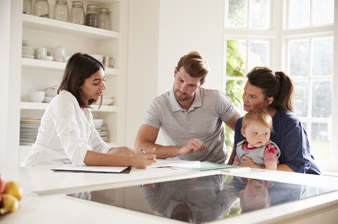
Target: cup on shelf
x=37, y=96
x=40, y=52
x=108, y=61
x=58, y=53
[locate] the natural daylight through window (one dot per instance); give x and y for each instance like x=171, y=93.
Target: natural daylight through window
x=297, y=37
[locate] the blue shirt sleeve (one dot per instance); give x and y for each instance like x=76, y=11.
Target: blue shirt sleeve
x=293, y=142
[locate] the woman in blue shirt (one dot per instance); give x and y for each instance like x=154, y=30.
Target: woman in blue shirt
x=272, y=92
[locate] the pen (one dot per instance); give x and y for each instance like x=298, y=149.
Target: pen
x=143, y=151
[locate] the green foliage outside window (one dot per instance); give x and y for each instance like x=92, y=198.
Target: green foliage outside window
x=235, y=67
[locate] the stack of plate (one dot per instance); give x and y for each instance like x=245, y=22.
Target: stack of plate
x=103, y=133
x=28, y=131
x=27, y=52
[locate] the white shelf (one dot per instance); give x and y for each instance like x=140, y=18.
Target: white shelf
x=56, y=66
x=104, y=108
x=41, y=64
x=43, y=106
x=51, y=25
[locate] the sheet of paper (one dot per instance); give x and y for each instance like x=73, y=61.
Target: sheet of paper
x=175, y=163
x=95, y=169
x=214, y=166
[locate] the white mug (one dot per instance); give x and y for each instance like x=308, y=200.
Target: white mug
x=40, y=52
x=108, y=61
x=59, y=53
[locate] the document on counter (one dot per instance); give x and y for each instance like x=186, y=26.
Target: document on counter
x=204, y=166
x=175, y=163
x=92, y=169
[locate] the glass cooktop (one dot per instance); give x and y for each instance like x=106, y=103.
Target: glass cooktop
x=203, y=199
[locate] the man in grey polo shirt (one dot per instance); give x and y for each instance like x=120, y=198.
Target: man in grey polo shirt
x=190, y=117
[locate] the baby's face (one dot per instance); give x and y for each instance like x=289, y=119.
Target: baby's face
x=257, y=134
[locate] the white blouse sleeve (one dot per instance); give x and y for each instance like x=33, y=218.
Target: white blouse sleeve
x=72, y=128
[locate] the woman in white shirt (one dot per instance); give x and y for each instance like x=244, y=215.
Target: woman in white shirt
x=67, y=133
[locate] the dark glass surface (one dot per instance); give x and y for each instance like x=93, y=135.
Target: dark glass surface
x=203, y=199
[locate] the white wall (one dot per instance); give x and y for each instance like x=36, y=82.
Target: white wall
x=142, y=62
x=160, y=32
x=4, y=64
x=10, y=70
x=190, y=25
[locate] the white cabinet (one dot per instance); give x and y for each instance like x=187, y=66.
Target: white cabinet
x=38, y=74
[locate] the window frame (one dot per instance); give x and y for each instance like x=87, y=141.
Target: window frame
x=280, y=35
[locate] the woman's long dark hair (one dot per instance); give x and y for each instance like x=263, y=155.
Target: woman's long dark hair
x=274, y=84
x=79, y=68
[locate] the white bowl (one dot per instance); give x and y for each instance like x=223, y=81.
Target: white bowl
x=48, y=99
x=47, y=58
x=107, y=100
x=37, y=96
x=98, y=123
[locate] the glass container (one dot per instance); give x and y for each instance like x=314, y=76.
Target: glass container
x=92, y=16
x=41, y=8
x=77, y=14
x=104, y=19
x=61, y=11
x=27, y=7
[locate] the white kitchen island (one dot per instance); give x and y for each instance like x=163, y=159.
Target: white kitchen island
x=45, y=199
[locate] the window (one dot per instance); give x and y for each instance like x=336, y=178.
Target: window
x=295, y=36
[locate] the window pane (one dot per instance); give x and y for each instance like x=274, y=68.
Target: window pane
x=299, y=13
x=259, y=14
x=321, y=99
x=322, y=57
x=234, y=90
x=237, y=13
x=301, y=98
x=259, y=54
x=320, y=141
x=236, y=56
x=299, y=58
x=322, y=11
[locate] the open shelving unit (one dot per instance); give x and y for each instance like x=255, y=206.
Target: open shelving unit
x=36, y=75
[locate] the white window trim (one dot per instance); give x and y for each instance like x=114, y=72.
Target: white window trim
x=278, y=52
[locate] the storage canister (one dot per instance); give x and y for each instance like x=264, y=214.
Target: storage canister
x=61, y=10
x=92, y=15
x=77, y=14
x=104, y=18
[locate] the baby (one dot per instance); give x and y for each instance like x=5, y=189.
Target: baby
x=256, y=128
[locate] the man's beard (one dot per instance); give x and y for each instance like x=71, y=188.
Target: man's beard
x=183, y=97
